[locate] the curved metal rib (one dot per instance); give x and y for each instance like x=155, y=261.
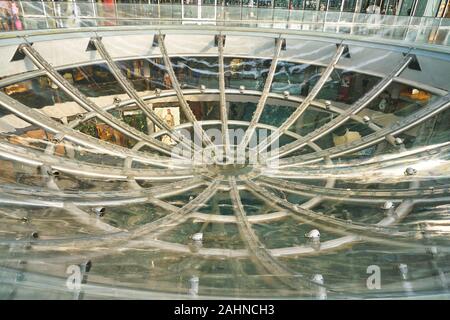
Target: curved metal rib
x=176, y=216
x=222, y=98
x=257, y=248
x=230, y=92
x=333, y=225
x=80, y=168
x=198, y=130
x=321, y=171
x=358, y=195
x=264, y=95
x=400, y=126
x=263, y=145
x=46, y=123
x=57, y=198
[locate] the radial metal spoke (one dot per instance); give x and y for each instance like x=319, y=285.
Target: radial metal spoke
x=357, y=195
x=349, y=168
x=39, y=119
x=198, y=130
x=222, y=98
x=176, y=216
x=344, y=116
x=86, y=169
x=262, y=100
x=88, y=105
x=398, y=127
x=129, y=89
x=333, y=225
x=263, y=145
x=257, y=248
x=57, y=198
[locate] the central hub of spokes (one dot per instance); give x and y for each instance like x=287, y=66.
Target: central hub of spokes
x=221, y=163
x=228, y=170
x=223, y=172
x=225, y=156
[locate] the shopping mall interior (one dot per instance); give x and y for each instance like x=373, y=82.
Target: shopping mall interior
x=236, y=149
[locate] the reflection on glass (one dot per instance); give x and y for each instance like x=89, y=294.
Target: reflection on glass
x=396, y=102
x=98, y=129
x=247, y=73
x=346, y=86
x=94, y=81
x=295, y=78
x=194, y=72
x=37, y=92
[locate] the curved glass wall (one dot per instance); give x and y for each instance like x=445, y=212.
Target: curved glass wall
x=225, y=174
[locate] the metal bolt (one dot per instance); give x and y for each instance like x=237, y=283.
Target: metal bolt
x=100, y=211
x=286, y=94
x=241, y=89
x=116, y=100
x=313, y=234
x=387, y=205
x=410, y=171
x=197, y=236
x=318, y=278
x=53, y=172
x=57, y=138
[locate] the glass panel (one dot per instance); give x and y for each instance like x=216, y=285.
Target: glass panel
x=275, y=115
x=215, y=235
x=311, y=120
x=195, y=72
x=38, y=93
x=96, y=82
x=249, y=73
x=348, y=132
x=100, y=130
x=396, y=102
x=346, y=87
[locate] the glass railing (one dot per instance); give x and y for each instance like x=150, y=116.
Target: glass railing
x=49, y=15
